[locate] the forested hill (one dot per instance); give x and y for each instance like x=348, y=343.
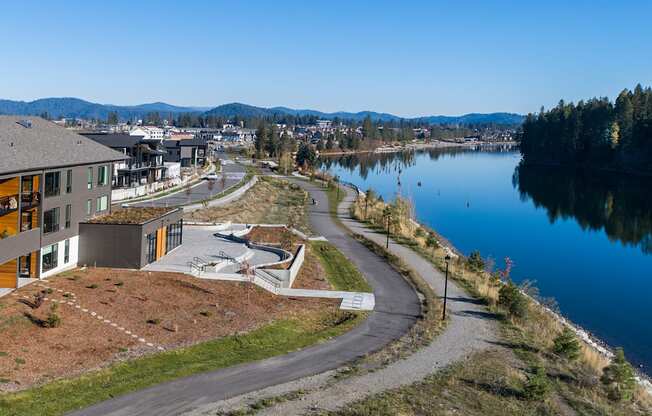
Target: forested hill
x=595, y=133
x=70, y=107
x=243, y=110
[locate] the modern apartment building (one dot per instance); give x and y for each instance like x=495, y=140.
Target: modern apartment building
x=144, y=159
x=51, y=179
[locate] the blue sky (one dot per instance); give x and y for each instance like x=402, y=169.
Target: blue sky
x=409, y=57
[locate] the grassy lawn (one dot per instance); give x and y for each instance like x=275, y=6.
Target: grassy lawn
x=341, y=274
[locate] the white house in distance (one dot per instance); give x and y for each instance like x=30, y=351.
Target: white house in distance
x=148, y=132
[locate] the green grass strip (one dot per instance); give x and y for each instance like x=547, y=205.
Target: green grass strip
x=341, y=273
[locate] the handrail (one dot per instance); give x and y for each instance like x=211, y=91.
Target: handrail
x=193, y=265
x=200, y=261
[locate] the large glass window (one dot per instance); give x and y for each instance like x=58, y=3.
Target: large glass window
x=102, y=175
x=68, y=215
x=174, y=236
x=89, y=180
x=51, y=220
x=102, y=204
x=69, y=181
x=50, y=257
x=52, y=183
x=66, y=251
x=89, y=206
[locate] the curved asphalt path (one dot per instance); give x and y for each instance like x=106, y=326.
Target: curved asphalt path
x=397, y=307
x=203, y=190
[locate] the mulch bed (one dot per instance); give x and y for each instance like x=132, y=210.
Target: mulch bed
x=167, y=309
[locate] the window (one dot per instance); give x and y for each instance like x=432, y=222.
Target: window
x=89, y=206
x=66, y=251
x=102, y=203
x=52, y=184
x=174, y=236
x=50, y=257
x=51, y=221
x=103, y=175
x=69, y=181
x=89, y=180
x=68, y=215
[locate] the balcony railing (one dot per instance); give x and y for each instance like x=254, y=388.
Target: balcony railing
x=8, y=204
x=30, y=200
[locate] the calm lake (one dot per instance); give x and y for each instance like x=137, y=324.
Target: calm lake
x=586, y=239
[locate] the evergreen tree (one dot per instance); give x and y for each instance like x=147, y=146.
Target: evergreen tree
x=567, y=345
x=112, y=118
x=619, y=377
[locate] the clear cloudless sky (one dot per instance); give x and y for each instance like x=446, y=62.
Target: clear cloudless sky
x=406, y=57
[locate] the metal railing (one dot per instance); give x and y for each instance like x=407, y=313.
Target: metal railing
x=8, y=204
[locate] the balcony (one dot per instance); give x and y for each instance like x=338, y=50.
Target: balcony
x=8, y=204
x=30, y=200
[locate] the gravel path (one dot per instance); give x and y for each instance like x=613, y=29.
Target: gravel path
x=471, y=329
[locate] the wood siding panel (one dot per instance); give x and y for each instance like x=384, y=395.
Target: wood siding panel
x=8, y=274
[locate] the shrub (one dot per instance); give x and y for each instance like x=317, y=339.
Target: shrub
x=567, y=345
x=511, y=298
x=619, y=378
x=205, y=313
x=53, y=320
x=537, y=386
x=154, y=321
x=476, y=263
x=93, y=286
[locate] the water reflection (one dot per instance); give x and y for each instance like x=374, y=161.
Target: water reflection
x=383, y=163
x=620, y=205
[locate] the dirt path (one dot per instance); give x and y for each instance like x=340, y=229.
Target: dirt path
x=471, y=329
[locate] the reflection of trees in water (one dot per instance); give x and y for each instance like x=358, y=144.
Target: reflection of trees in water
x=367, y=163
x=621, y=205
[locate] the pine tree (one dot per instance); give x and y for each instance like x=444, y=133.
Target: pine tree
x=567, y=345
x=619, y=377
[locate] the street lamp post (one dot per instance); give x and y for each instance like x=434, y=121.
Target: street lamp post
x=389, y=217
x=448, y=259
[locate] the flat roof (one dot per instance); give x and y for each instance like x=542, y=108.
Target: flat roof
x=32, y=143
x=132, y=215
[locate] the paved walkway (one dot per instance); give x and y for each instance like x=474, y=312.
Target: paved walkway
x=203, y=190
x=354, y=301
x=471, y=328
x=396, y=309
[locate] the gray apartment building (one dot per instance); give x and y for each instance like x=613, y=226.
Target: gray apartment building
x=51, y=179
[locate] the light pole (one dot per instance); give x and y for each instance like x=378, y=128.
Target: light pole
x=389, y=217
x=448, y=259
x=337, y=180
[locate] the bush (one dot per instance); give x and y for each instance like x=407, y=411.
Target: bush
x=476, y=263
x=619, y=378
x=53, y=320
x=538, y=385
x=567, y=345
x=511, y=298
x=154, y=321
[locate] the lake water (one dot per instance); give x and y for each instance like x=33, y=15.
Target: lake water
x=586, y=239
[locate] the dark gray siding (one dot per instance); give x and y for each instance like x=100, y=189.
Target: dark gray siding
x=20, y=244
x=77, y=199
x=111, y=245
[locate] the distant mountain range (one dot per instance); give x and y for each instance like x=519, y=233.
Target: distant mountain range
x=76, y=108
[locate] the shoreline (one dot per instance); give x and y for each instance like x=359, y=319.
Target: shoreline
x=592, y=341
x=438, y=144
